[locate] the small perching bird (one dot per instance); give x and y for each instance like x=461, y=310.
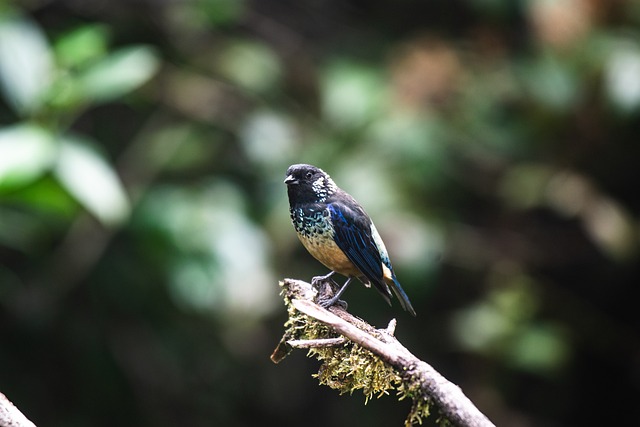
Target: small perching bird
x=336, y=230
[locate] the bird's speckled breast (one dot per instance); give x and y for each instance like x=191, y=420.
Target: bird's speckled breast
x=315, y=231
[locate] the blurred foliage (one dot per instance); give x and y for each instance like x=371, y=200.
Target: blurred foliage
x=144, y=224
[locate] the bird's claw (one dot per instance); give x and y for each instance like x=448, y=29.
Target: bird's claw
x=329, y=302
x=324, y=285
x=329, y=292
x=317, y=280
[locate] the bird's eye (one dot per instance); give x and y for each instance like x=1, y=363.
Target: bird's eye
x=309, y=175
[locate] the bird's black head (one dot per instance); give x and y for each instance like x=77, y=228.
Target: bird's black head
x=308, y=184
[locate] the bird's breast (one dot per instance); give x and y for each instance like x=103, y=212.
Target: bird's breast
x=315, y=231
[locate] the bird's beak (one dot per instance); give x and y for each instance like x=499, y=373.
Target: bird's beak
x=289, y=180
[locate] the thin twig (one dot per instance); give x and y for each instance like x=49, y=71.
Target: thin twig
x=319, y=343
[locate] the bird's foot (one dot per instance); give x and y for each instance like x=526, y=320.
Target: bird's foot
x=317, y=280
x=325, y=287
x=334, y=293
x=335, y=300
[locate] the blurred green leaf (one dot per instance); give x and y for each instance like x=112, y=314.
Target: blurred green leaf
x=212, y=269
x=552, y=82
x=413, y=141
x=539, y=349
x=65, y=94
x=524, y=185
x=26, y=66
x=622, y=75
x=613, y=229
x=119, y=73
x=268, y=137
x=221, y=11
x=352, y=94
x=91, y=180
x=26, y=152
x=253, y=66
x=34, y=214
x=181, y=147
x=47, y=196
x=19, y=229
x=193, y=284
x=481, y=327
x=81, y=46
x=493, y=326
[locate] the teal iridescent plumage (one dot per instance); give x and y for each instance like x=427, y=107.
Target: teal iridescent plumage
x=337, y=231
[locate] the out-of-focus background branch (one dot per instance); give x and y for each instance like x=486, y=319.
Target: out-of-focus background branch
x=144, y=223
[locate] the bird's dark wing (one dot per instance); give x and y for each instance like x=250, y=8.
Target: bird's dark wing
x=352, y=234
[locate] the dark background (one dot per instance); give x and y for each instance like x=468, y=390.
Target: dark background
x=144, y=223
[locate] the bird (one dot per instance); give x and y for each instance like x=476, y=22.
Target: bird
x=337, y=231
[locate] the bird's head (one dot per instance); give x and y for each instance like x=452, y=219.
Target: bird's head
x=307, y=183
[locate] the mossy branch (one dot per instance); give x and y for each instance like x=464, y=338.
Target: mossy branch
x=355, y=355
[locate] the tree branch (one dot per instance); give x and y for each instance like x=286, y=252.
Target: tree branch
x=10, y=416
x=415, y=378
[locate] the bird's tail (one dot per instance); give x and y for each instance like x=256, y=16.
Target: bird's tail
x=402, y=296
